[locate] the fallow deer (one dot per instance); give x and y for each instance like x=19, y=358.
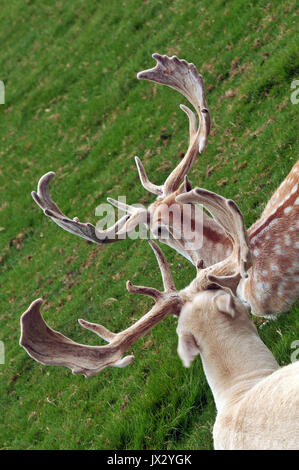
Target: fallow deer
x=257, y=401
x=273, y=283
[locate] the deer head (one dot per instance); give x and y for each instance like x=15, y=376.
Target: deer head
x=166, y=218
x=207, y=319
x=51, y=347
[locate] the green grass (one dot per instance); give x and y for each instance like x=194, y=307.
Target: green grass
x=74, y=106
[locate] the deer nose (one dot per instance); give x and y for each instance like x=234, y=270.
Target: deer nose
x=160, y=231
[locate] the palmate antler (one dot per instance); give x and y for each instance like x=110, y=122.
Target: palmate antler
x=52, y=348
x=183, y=77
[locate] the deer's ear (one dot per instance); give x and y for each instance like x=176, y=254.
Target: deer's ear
x=227, y=283
x=225, y=303
x=188, y=348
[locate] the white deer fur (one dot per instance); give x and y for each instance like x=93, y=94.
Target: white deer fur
x=257, y=401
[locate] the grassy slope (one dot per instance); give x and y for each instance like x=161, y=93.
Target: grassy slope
x=74, y=106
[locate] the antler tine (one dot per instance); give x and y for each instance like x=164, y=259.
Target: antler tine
x=152, y=188
x=132, y=210
x=138, y=216
x=228, y=215
x=50, y=347
x=168, y=282
x=85, y=230
x=183, y=77
x=167, y=278
x=192, y=120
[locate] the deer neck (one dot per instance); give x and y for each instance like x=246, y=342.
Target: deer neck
x=234, y=360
